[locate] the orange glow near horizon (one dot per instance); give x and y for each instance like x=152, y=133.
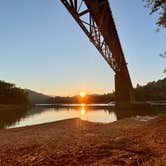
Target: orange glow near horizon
x=82, y=94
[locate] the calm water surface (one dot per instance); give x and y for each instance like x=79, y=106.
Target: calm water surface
x=43, y=114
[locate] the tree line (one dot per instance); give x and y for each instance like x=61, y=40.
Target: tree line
x=152, y=91
x=10, y=94
x=155, y=90
x=88, y=99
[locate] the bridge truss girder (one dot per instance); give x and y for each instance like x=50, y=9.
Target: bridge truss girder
x=102, y=32
x=88, y=25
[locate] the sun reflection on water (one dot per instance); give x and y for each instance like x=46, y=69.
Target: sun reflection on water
x=83, y=111
x=38, y=115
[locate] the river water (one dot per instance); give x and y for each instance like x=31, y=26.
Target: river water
x=49, y=113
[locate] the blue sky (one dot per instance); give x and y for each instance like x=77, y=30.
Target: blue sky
x=43, y=49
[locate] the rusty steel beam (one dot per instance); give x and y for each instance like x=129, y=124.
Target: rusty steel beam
x=95, y=19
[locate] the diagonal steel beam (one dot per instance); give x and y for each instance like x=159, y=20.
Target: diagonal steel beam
x=91, y=30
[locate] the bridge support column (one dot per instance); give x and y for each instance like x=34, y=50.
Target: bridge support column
x=123, y=88
x=124, y=94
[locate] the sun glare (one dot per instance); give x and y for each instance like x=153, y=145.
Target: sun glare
x=82, y=94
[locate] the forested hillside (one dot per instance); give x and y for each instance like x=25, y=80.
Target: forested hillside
x=155, y=90
x=10, y=94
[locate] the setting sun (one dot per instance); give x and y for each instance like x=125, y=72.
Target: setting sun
x=82, y=94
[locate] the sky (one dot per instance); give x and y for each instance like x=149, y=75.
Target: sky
x=43, y=49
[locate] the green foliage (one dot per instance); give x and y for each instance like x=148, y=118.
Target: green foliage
x=155, y=90
x=10, y=94
x=159, y=7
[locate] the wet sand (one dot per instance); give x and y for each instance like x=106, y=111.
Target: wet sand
x=76, y=142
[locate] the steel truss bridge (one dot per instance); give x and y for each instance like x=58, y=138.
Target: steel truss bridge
x=96, y=20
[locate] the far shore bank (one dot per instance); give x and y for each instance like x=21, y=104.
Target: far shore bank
x=75, y=142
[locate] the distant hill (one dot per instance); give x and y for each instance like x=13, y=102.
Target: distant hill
x=36, y=97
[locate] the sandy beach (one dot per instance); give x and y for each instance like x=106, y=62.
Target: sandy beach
x=76, y=142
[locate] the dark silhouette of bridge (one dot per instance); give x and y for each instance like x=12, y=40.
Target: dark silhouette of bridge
x=96, y=20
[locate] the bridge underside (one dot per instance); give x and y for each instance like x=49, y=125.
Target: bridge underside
x=95, y=19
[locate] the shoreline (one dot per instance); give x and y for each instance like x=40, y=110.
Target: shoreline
x=77, y=142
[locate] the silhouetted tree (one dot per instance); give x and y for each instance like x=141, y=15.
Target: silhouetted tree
x=151, y=91
x=159, y=7
x=10, y=94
